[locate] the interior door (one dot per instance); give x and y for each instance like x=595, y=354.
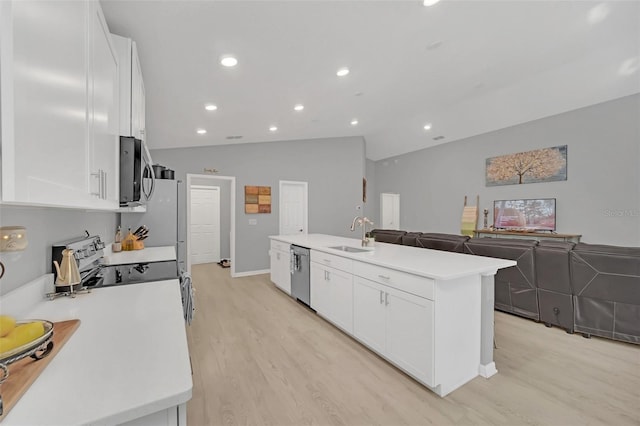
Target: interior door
x=293, y=207
x=205, y=224
x=390, y=211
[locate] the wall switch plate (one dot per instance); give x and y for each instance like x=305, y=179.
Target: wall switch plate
x=253, y=221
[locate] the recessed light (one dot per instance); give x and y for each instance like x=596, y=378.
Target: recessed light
x=210, y=107
x=201, y=131
x=598, y=13
x=430, y=2
x=228, y=61
x=299, y=107
x=427, y=126
x=354, y=122
x=273, y=128
x=342, y=72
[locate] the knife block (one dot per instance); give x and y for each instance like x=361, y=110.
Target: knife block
x=138, y=245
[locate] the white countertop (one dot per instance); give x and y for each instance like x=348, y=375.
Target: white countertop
x=148, y=254
x=129, y=358
x=436, y=264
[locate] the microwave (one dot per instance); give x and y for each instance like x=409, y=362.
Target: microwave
x=135, y=166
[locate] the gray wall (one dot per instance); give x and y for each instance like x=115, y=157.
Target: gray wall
x=332, y=167
x=225, y=211
x=46, y=226
x=600, y=198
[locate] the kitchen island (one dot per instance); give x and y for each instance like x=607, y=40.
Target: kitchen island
x=428, y=312
x=127, y=362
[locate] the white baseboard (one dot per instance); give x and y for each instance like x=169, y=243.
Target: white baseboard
x=250, y=273
x=487, y=370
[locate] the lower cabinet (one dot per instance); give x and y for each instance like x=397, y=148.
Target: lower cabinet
x=397, y=325
x=281, y=268
x=332, y=295
x=174, y=416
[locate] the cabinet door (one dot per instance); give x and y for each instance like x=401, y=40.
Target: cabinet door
x=275, y=266
x=409, y=332
x=137, y=97
x=369, y=313
x=320, y=291
x=44, y=103
x=104, y=118
x=341, y=299
x=284, y=270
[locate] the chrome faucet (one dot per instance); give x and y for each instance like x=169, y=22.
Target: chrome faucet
x=361, y=221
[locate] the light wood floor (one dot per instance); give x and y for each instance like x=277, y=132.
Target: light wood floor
x=260, y=358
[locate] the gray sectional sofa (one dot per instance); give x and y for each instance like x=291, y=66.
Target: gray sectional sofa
x=588, y=288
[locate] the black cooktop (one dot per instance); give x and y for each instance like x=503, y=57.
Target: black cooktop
x=134, y=273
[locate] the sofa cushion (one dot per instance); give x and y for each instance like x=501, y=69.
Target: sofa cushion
x=446, y=242
x=392, y=236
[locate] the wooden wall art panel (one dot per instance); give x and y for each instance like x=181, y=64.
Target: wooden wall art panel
x=257, y=199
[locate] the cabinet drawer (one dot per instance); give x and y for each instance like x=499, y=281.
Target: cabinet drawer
x=414, y=284
x=333, y=261
x=279, y=245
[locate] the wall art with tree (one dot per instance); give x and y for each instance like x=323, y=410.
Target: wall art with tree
x=540, y=165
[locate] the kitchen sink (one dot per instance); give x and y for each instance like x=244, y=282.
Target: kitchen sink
x=351, y=249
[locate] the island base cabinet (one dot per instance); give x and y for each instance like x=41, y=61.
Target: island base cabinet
x=174, y=416
x=280, y=262
x=369, y=314
x=409, y=334
x=397, y=325
x=332, y=295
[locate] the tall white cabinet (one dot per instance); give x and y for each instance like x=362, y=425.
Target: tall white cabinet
x=132, y=94
x=58, y=97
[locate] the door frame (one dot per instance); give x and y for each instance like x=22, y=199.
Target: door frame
x=210, y=188
x=232, y=202
x=305, y=185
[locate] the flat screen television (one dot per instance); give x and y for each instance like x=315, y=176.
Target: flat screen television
x=525, y=215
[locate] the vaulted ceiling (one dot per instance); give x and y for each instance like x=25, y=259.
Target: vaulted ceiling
x=462, y=67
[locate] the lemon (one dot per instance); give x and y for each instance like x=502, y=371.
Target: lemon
x=7, y=324
x=21, y=335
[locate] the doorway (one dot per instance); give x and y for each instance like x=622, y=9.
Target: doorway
x=226, y=227
x=294, y=199
x=390, y=211
x=205, y=224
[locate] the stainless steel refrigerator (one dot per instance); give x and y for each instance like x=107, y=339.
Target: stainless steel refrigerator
x=165, y=218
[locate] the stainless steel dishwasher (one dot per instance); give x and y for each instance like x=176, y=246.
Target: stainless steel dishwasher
x=300, y=269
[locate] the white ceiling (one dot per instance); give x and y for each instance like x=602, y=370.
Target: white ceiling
x=467, y=67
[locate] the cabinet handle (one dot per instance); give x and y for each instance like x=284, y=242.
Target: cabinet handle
x=104, y=185
x=381, y=299
x=98, y=175
x=384, y=277
x=386, y=299
x=328, y=275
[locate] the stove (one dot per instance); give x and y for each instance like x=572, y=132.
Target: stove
x=88, y=252
x=113, y=275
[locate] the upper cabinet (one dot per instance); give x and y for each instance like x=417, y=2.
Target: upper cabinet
x=59, y=105
x=104, y=117
x=132, y=95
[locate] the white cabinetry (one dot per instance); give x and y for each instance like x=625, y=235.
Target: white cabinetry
x=397, y=325
x=103, y=116
x=332, y=294
x=56, y=114
x=281, y=265
x=132, y=94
